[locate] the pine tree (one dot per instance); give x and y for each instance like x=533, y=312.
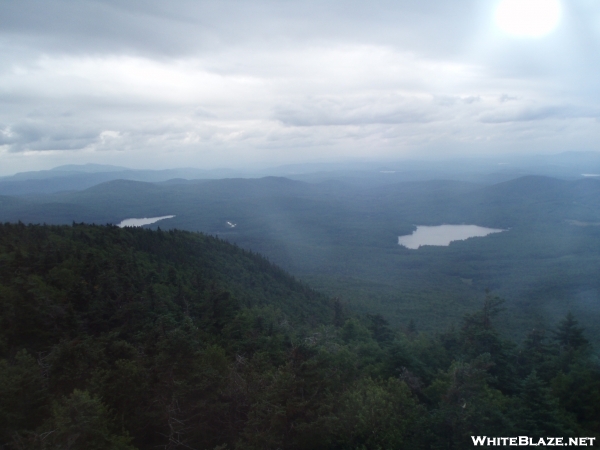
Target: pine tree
x=540, y=414
x=569, y=334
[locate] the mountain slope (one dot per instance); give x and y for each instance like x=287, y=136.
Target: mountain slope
x=137, y=339
x=118, y=270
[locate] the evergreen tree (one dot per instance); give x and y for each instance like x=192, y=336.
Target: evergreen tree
x=537, y=354
x=569, y=334
x=23, y=395
x=478, y=336
x=539, y=413
x=77, y=422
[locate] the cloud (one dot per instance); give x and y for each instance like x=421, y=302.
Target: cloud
x=185, y=27
x=273, y=81
x=364, y=110
x=529, y=114
x=32, y=136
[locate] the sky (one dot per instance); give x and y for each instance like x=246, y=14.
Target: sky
x=256, y=83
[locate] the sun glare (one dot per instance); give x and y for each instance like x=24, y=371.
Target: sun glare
x=528, y=18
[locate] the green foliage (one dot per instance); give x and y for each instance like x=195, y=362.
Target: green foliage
x=578, y=392
x=23, y=394
x=467, y=405
x=79, y=422
x=540, y=414
x=378, y=415
x=131, y=338
x=569, y=335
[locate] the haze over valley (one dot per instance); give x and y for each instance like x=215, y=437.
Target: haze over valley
x=338, y=230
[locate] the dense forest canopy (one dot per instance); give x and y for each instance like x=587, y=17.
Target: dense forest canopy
x=130, y=338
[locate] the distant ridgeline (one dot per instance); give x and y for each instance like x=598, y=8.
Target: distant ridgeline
x=122, y=338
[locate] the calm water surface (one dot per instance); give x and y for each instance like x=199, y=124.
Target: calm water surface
x=443, y=234
x=140, y=222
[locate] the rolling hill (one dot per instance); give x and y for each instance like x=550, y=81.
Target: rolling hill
x=341, y=237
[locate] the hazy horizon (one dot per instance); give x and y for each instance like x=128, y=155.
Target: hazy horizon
x=256, y=84
x=569, y=164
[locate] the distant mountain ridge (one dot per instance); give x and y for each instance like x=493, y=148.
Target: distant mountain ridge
x=204, y=205
x=488, y=170
x=77, y=178
x=89, y=168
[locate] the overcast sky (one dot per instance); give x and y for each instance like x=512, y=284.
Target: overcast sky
x=152, y=84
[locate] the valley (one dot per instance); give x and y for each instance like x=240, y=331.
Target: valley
x=340, y=235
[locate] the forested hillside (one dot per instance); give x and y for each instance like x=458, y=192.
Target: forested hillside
x=341, y=237
x=129, y=338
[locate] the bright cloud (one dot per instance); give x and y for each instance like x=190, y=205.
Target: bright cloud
x=211, y=84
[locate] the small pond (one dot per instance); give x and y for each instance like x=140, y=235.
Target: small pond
x=141, y=222
x=443, y=234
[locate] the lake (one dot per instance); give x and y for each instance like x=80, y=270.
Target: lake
x=443, y=235
x=141, y=222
